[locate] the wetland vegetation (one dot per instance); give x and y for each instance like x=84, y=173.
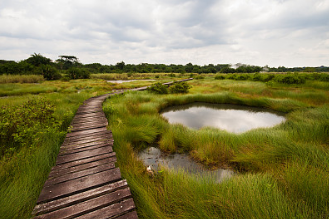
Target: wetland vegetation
x=282, y=171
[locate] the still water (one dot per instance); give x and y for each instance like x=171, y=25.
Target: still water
x=155, y=158
x=232, y=118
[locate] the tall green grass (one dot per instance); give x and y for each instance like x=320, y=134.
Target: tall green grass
x=267, y=160
x=23, y=172
x=4, y=79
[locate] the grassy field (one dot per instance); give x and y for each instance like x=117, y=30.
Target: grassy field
x=282, y=171
x=35, y=117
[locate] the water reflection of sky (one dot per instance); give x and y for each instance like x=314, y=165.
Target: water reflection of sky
x=154, y=158
x=232, y=118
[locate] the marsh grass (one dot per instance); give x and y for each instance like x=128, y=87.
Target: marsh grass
x=282, y=171
x=5, y=79
x=268, y=159
x=24, y=171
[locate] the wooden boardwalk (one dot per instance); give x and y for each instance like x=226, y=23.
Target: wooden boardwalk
x=85, y=182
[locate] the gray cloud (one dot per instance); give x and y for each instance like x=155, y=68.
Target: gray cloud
x=270, y=32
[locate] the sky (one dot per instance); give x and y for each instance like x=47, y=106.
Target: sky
x=276, y=33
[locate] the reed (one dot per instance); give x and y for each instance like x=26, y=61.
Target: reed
x=5, y=79
x=268, y=159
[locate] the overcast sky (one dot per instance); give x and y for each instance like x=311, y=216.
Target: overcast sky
x=257, y=32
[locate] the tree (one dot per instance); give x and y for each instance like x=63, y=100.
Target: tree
x=66, y=62
x=49, y=72
x=189, y=68
x=78, y=73
x=38, y=59
x=120, y=65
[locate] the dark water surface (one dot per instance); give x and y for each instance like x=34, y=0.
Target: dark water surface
x=155, y=158
x=232, y=118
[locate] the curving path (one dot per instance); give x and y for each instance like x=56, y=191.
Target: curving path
x=85, y=183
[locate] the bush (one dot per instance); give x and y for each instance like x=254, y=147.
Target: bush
x=291, y=79
x=49, y=72
x=242, y=77
x=219, y=77
x=179, y=88
x=158, y=88
x=20, y=126
x=78, y=73
x=324, y=77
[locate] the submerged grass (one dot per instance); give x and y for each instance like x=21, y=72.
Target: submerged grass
x=268, y=159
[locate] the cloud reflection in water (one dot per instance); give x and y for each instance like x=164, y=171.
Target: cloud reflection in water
x=232, y=118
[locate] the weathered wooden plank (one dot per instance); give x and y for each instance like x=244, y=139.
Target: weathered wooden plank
x=111, y=211
x=80, y=197
x=83, y=127
x=93, y=138
x=88, y=205
x=87, y=132
x=83, y=161
x=91, y=115
x=61, y=159
x=88, y=119
x=78, y=185
x=72, y=150
x=81, y=144
x=98, y=115
x=89, y=122
x=129, y=215
x=89, y=111
x=82, y=173
x=81, y=138
x=56, y=172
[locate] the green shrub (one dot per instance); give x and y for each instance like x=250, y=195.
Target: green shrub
x=78, y=73
x=179, y=88
x=324, y=77
x=257, y=77
x=20, y=126
x=291, y=79
x=158, y=88
x=219, y=77
x=242, y=77
x=49, y=72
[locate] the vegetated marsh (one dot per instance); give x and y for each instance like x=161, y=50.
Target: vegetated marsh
x=282, y=170
x=268, y=159
x=33, y=124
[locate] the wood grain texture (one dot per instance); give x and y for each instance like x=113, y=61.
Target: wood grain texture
x=85, y=182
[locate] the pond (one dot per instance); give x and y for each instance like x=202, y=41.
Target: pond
x=232, y=118
x=154, y=158
x=125, y=81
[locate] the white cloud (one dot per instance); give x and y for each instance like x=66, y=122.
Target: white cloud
x=274, y=32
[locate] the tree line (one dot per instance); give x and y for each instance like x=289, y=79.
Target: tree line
x=72, y=68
